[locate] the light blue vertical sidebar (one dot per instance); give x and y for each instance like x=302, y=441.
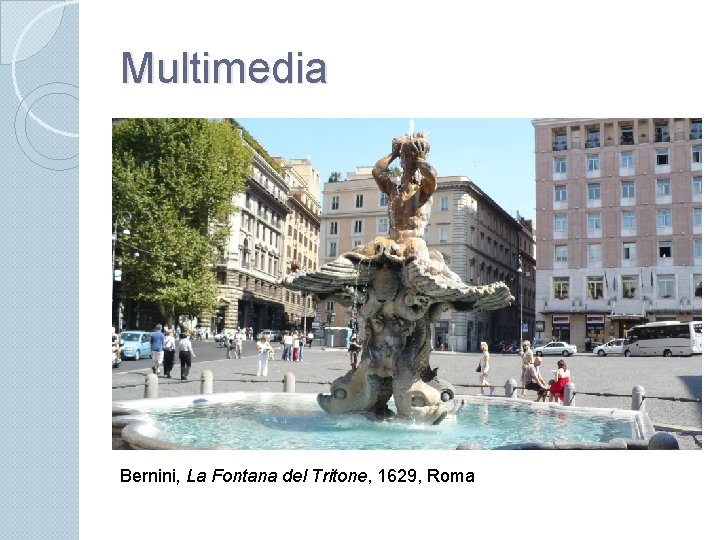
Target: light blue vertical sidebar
x=39, y=288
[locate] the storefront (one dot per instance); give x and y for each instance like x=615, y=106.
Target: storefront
x=561, y=328
x=595, y=328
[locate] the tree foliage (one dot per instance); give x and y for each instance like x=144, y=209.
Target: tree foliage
x=335, y=177
x=175, y=180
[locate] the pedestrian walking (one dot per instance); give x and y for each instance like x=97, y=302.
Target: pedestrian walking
x=526, y=357
x=287, y=346
x=157, y=339
x=263, y=347
x=231, y=349
x=169, y=353
x=186, y=355
x=301, y=340
x=295, y=347
x=310, y=337
x=484, y=367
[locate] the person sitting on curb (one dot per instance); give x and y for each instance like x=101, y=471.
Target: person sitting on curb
x=533, y=380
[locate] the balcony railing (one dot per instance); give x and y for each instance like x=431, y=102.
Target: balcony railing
x=627, y=139
x=695, y=134
x=662, y=137
x=557, y=146
x=592, y=143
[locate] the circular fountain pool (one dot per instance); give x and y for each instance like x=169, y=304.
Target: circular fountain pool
x=295, y=421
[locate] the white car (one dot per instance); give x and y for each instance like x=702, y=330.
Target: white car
x=273, y=335
x=614, y=346
x=556, y=347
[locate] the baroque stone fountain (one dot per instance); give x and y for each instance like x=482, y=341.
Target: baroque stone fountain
x=400, y=288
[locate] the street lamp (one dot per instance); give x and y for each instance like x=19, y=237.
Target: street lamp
x=520, y=295
x=123, y=220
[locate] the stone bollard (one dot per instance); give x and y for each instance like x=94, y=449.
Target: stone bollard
x=663, y=441
x=510, y=390
x=206, y=382
x=638, y=403
x=151, y=386
x=569, y=394
x=289, y=383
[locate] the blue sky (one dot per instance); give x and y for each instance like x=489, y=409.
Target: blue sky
x=497, y=154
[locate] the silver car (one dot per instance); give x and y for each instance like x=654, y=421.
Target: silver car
x=614, y=346
x=556, y=347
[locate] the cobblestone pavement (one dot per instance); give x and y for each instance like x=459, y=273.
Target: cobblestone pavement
x=670, y=378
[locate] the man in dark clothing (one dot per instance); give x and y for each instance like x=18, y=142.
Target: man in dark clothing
x=156, y=348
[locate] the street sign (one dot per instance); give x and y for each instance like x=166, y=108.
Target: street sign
x=525, y=327
x=316, y=325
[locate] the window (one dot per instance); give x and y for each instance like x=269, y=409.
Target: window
x=593, y=162
x=561, y=223
x=627, y=160
x=357, y=226
x=697, y=185
x=561, y=287
x=697, y=285
x=663, y=187
x=696, y=129
x=333, y=227
x=444, y=204
x=661, y=133
x=426, y=234
x=560, y=165
x=697, y=217
x=629, y=251
x=560, y=193
x=595, y=253
x=595, y=287
x=662, y=156
x=356, y=243
x=335, y=202
x=666, y=285
x=358, y=201
x=628, y=189
x=696, y=153
x=561, y=253
x=664, y=218
x=383, y=225
x=664, y=249
x=593, y=192
x=626, y=135
x=560, y=141
x=442, y=233
x=332, y=249
x=594, y=222
x=629, y=286
x=593, y=138
x=628, y=220
x=384, y=199
x=698, y=247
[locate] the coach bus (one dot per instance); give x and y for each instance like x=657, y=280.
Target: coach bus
x=667, y=338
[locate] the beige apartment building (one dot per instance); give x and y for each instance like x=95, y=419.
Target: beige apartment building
x=275, y=230
x=479, y=241
x=619, y=224
x=303, y=237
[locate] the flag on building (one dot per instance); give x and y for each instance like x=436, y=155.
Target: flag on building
x=615, y=283
x=607, y=285
x=651, y=279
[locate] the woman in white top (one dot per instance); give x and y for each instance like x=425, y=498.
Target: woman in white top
x=263, y=347
x=484, y=367
x=169, y=352
x=186, y=355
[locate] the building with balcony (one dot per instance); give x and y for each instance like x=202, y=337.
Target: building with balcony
x=478, y=240
x=619, y=224
x=248, y=273
x=302, y=237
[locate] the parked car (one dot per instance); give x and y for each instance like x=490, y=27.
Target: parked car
x=614, y=346
x=556, y=347
x=273, y=335
x=134, y=344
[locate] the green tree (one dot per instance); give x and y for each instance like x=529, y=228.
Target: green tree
x=176, y=178
x=335, y=177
